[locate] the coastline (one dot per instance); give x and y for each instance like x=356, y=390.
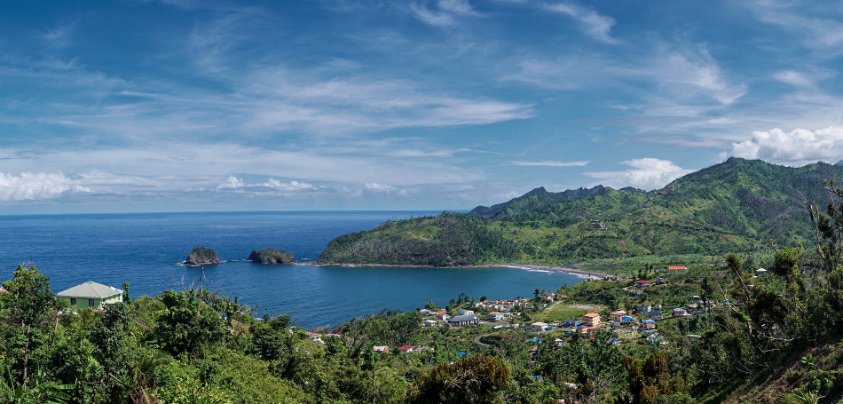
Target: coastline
x=584, y=273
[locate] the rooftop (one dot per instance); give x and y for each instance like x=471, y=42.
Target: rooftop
x=91, y=290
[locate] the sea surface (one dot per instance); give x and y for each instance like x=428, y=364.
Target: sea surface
x=145, y=250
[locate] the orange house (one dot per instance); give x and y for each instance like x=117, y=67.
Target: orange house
x=676, y=268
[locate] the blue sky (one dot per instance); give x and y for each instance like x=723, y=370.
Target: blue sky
x=440, y=104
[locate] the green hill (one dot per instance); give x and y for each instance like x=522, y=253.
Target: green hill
x=739, y=205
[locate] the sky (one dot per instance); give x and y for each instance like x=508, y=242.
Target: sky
x=188, y=105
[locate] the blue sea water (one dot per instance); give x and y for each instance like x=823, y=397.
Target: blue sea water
x=145, y=249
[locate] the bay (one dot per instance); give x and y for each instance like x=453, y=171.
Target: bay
x=145, y=249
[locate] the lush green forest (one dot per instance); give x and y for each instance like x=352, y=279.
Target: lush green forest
x=736, y=206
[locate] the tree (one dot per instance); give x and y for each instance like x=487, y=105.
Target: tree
x=29, y=303
x=187, y=323
x=478, y=379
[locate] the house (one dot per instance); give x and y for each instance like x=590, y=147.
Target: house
x=661, y=281
x=380, y=348
x=442, y=315
x=559, y=341
x=465, y=319
x=655, y=314
x=642, y=283
x=91, y=295
x=591, y=319
x=429, y=323
x=680, y=312
x=426, y=311
x=496, y=316
x=616, y=315
x=540, y=326
x=627, y=319
x=675, y=268
x=761, y=272
x=3, y=290
x=648, y=324
x=407, y=348
x=466, y=312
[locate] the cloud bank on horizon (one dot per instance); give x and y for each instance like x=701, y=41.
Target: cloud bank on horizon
x=426, y=104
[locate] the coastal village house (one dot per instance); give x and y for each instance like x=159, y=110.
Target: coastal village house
x=591, y=319
x=466, y=319
x=91, y=295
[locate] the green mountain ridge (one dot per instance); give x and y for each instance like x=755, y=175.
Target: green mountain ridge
x=738, y=205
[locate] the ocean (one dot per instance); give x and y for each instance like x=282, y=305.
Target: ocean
x=145, y=250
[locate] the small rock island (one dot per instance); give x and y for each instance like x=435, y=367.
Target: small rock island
x=202, y=256
x=271, y=256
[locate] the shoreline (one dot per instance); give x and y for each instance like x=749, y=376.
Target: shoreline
x=585, y=273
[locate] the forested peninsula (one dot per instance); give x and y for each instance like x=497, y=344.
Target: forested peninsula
x=735, y=206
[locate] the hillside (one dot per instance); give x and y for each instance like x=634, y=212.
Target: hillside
x=738, y=205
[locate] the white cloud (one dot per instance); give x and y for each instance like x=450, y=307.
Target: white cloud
x=36, y=186
x=231, y=182
x=581, y=163
x=793, y=78
x=797, y=147
x=444, y=13
x=644, y=173
x=694, y=72
x=594, y=24
x=378, y=187
x=291, y=186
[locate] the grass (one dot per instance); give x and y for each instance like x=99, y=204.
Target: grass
x=560, y=312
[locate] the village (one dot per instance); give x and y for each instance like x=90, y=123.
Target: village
x=546, y=316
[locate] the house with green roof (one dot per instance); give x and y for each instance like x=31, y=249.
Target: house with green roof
x=91, y=295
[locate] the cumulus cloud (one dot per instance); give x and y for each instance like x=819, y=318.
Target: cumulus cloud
x=231, y=183
x=581, y=163
x=291, y=186
x=797, y=147
x=594, y=24
x=644, y=173
x=378, y=187
x=36, y=186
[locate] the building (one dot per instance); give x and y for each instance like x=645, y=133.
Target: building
x=465, y=319
x=496, y=316
x=407, y=348
x=429, y=323
x=540, y=326
x=674, y=268
x=680, y=312
x=616, y=315
x=648, y=324
x=591, y=319
x=642, y=283
x=91, y=295
x=380, y=348
x=760, y=272
x=3, y=290
x=442, y=315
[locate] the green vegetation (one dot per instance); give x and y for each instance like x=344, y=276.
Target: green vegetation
x=737, y=206
x=736, y=337
x=444, y=240
x=271, y=256
x=202, y=256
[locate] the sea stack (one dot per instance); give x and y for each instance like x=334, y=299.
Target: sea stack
x=271, y=256
x=202, y=256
